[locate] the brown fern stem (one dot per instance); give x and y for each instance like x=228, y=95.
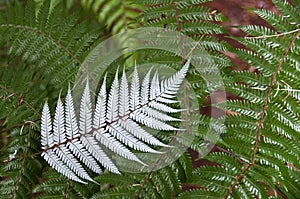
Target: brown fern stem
x=67, y=190
x=267, y=100
x=262, y=119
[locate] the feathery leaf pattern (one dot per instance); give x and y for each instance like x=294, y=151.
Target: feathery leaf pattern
x=115, y=124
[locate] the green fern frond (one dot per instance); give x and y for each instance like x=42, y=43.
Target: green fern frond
x=280, y=23
x=288, y=11
x=262, y=128
x=163, y=183
x=188, y=17
x=57, y=186
x=40, y=48
x=18, y=174
x=117, y=16
x=45, y=40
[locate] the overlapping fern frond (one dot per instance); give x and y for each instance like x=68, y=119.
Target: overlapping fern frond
x=114, y=124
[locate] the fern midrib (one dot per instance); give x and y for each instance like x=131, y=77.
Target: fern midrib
x=276, y=35
x=262, y=119
x=56, y=42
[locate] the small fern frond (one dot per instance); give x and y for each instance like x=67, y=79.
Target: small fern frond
x=114, y=124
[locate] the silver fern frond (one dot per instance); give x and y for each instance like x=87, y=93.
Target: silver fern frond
x=115, y=124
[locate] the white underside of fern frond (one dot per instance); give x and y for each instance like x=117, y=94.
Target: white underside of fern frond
x=115, y=124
